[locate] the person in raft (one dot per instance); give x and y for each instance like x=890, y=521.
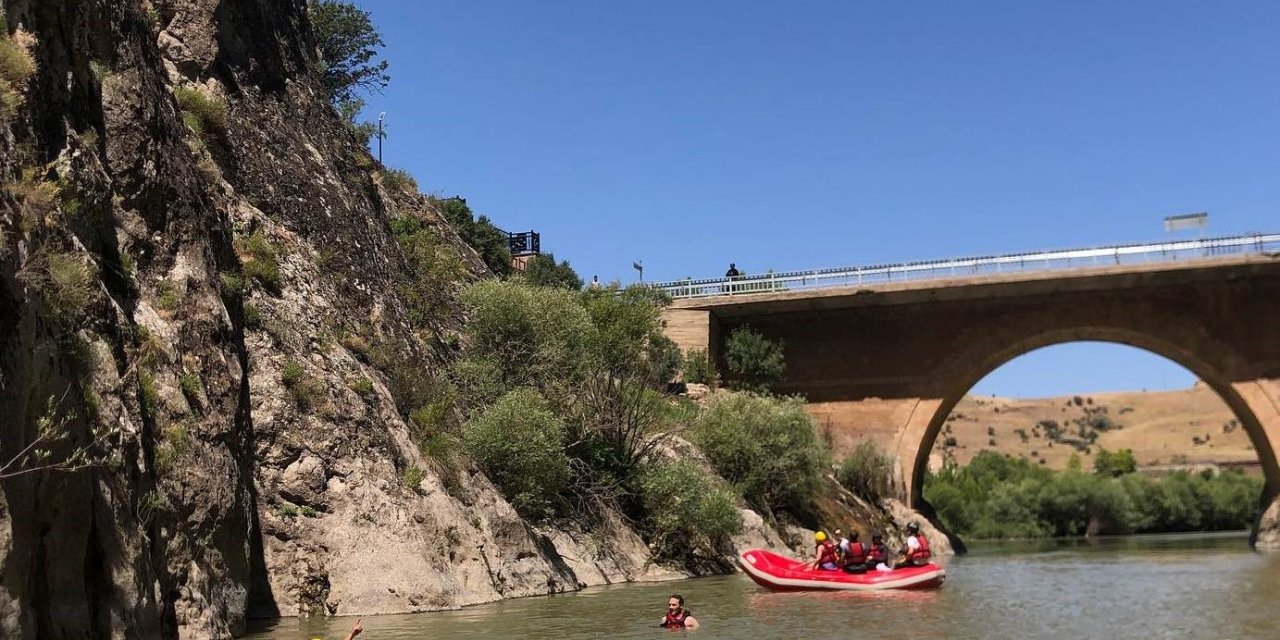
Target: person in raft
x=677, y=616
x=855, y=555
x=916, y=553
x=877, y=554
x=825, y=556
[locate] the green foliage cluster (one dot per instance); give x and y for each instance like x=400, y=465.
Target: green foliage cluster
x=261, y=260
x=412, y=478
x=998, y=496
x=755, y=362
x=175, y=444
x=17, y=65
x=519, y=442
x=347, y=45
x=397, y=180
x=867, y=471
x=478, y=232
x=202, y=114
x=307, y=391
x=595, y=357
x=1114, y=464
x=543, y=271
x=697, y=367
x=67, y=289
x=167, y=296
x=766, y=447
x=690, y=511
x=434, y=269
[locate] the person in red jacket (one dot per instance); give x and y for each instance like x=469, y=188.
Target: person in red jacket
x=825, y=555
x=916, y=553
x=855, y=557
x=677, y=616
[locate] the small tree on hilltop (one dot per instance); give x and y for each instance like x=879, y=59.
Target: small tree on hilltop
x=348, y=46
x=755, y=362
x=543, y=271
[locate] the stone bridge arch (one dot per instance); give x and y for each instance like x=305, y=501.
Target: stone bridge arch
x=1249, y=400
x=889, y=362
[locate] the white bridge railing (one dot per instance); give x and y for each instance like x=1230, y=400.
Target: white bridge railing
x=1180, y=250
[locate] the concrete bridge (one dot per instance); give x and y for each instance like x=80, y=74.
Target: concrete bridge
x=888, y=359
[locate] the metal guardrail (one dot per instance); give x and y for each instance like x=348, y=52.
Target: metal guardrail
x=979, y=265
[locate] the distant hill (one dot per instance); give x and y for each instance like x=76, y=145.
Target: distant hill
x=1161, y=427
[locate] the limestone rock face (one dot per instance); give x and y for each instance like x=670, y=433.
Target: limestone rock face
x=902, y=515
x=1268, y=533
x=260, y=465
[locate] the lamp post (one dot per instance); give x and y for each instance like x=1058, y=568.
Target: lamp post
x=381, y=134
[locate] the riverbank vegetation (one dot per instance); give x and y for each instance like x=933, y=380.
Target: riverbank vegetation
x=562, y=404
x=1001, y=497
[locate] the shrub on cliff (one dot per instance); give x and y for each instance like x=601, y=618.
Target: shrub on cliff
x=202, y=114
x=766, y=447
x=543, y=271
x=478, y=232
x=519, y=443
x=347, y=44
x=867, y=471
x=688, y=511
x=434, y=270
x=755, y=362
x=17, y=65
x=697, y=367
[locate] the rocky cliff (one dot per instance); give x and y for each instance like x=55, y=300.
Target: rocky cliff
x=200, y=293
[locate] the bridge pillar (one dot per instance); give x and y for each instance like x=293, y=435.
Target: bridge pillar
x=692, y=329
x=1262, y=398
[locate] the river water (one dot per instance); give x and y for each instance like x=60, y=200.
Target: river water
x=1182, y=586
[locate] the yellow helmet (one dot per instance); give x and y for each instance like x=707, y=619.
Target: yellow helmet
x=820, y=536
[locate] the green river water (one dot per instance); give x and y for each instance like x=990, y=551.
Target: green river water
x=1181, y=586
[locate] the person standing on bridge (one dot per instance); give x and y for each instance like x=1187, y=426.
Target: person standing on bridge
x=732, y=273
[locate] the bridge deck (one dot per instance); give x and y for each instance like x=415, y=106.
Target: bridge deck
x=1022, y=282
x=979, y=268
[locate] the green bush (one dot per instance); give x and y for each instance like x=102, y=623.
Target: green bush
x=767, y=448
x=190, y=383
x=252, y=316
x=1114, y=464
x=434, y=270
x=412, y=478
x=526, y=337
x=262, y=264
x=68, y=289
x=202, y=114
x=397, y=180
x=543, y=271
x=167, y=296
x=867, y=471
x=232, y=285
x=688, y=512
x=307, y=391
x=755, y=362
x=17, y=65
x=998, y=496
x=479, y=233
x=519, y=443
x=697, y=367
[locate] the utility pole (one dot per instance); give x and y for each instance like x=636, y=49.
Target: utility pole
x=381, y=134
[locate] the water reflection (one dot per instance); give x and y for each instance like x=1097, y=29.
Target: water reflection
x=1158, y=586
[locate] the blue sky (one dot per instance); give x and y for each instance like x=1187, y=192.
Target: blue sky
x=816, y=134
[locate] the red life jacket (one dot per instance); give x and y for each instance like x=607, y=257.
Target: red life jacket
x=922, y=554
x=676, y=621
x=877, y=553
x=857, y=554
x=828, y=553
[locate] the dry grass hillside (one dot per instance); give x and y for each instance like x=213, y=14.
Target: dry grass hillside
x=1161, y=427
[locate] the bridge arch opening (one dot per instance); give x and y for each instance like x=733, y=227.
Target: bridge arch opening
x=963, y=374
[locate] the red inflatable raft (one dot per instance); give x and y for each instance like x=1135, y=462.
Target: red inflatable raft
x=781, y=573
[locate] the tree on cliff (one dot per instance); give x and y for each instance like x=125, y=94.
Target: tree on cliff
x=348, y=46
